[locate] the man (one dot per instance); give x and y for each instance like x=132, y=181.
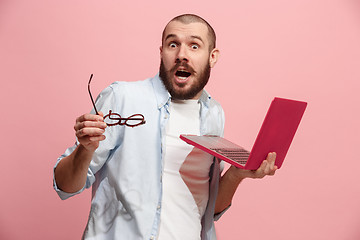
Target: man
x=147, y=183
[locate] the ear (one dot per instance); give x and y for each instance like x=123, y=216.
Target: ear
x=161, y=50
x=214, y=56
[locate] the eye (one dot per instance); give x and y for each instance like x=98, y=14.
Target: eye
x=195, y=46
x=172, y=45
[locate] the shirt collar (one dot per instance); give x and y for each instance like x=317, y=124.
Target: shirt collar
x=163, y=97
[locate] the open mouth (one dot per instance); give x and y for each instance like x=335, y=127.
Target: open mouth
x=182, y=74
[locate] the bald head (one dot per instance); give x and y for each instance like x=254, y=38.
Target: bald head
x=191, y=18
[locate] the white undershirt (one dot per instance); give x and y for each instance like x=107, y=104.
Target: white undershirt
x=185, y=175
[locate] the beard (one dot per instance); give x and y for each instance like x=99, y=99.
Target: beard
x=182, y=93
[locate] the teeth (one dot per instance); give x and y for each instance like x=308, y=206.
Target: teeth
x=182, y=74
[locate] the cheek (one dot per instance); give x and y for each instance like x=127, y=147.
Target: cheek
x=201, y=64
x=202, y=60
x=167, y=60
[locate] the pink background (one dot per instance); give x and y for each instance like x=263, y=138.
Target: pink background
x=302, y=49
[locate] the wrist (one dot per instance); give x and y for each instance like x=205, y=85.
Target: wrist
x=83, y=156
x=87, y=149
x=235, y=175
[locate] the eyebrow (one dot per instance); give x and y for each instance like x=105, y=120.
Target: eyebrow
x=175, y=36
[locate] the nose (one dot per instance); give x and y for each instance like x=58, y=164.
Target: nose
x=182, y=54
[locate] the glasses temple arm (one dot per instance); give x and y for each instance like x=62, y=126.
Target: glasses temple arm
x=92, y=100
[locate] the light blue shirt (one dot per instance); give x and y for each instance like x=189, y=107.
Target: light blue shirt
x=126, y=170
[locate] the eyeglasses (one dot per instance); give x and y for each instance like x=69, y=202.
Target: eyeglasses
x=115, y=118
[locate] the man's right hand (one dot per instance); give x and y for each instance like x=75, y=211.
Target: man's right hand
x=71, y=172
x=89, y=130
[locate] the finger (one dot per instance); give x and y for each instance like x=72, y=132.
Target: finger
x=90, y=124
x=90, y=117
x=90, y=120
x=259, y=173
x=86, y=141
x=273, y=171
x=97, y=138
x=89, y=131
x=270, y=170
x=263, y=166
x=267, y=170
x=271, y=159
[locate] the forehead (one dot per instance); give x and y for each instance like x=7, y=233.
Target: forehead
x=176, y=29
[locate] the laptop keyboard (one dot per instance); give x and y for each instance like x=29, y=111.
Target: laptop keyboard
x=238, y=155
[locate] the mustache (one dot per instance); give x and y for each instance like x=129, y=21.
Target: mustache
x=184, y=66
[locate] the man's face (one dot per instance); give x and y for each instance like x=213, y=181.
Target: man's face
x=186, y=59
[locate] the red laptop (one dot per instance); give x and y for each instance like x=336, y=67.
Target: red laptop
x=275, y=135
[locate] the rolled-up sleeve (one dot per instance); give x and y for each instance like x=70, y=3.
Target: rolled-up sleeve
x=104, y=102
x=64, y=195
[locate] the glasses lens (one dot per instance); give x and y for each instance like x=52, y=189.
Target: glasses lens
x=112, y=119
x=134, y=120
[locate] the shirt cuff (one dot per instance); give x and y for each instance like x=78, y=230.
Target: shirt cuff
x=63, y=195
x=217, y=216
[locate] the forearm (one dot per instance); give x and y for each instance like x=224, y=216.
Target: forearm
x=227, y=188
x=71, y=172
x=233, y=177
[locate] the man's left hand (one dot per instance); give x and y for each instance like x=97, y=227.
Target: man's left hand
x=267, y=168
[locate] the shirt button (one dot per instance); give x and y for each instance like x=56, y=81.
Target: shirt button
x=152, y=238
x=158, y=206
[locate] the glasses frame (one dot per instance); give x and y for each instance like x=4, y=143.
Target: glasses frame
x=115, y=116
